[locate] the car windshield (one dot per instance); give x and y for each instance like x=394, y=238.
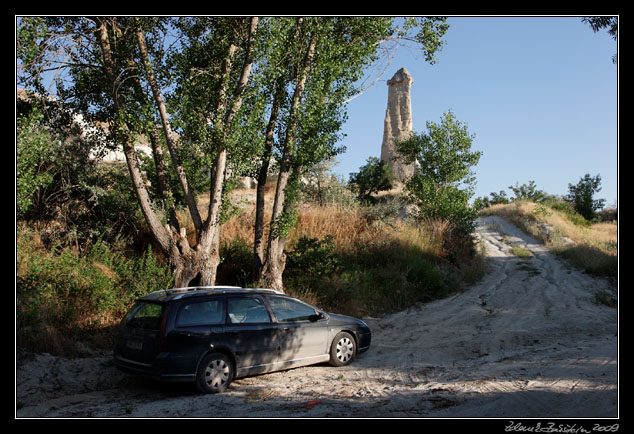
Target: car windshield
x=145, y=316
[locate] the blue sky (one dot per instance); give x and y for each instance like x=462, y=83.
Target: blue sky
x=539, y=93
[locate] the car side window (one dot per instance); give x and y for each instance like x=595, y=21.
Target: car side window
x=247, y=310
x=289, y=310
x=201, y=312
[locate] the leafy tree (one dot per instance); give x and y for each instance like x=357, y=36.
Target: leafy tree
x=499, y=198
x=444, y=183
x=581, y=196
x=35, y=150
x=321, y=62
x=527, y=192
x=598, y=23
x=375, y=176
x=241, y=92
x=110, y=68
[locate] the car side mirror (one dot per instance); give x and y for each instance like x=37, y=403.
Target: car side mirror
x=316, y=317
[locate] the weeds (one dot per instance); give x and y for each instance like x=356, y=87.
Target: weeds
x=521, y=252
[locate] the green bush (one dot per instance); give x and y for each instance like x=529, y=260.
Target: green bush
x=581, y=195
x=568, y=209
x=236, y=266
x=375, y=176
x=63, y=290
x=312, y=258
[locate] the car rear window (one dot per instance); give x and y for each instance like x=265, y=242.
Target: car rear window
x=144, y=315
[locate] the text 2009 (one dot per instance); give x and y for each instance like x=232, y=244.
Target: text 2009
x=606, y=428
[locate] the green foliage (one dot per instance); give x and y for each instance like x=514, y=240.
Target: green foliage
x=444, y=202
x=384, y=276
x=497, y=198
x=375, y=176
x=236, y=267
x=559, y=204
x=313, y=258
x=70, y=291
x=58, y=181
x=443, y=184
x=522, y=192
x=429, y=36
x=581, y=196
x=35, y=151
x=480, y=203
x=527, y=192
x=323, y=187
x=603, y=22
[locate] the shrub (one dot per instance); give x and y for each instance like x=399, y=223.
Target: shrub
x=64, y=293
x=581, y=195
x=312, y=258
x=375, y=176
x=236, y=267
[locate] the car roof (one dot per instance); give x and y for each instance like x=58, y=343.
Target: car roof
x=192, y=291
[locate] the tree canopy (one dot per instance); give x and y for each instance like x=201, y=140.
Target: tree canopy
x=217, y=98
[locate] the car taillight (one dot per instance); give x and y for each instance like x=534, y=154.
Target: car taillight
x=161, y=337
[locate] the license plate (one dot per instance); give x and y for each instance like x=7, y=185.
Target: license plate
x=134, y=345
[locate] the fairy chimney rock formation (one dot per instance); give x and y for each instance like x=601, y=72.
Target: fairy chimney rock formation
x=397, y=124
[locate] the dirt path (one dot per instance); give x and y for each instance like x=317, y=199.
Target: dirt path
x=527, y=341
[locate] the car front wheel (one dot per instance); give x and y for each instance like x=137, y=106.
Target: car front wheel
x=342, y=350
x=214, y=373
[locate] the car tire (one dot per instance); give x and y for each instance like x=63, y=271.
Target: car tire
x=215, y=373
x=343, y=349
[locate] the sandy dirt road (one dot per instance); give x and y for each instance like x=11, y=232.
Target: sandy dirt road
x=528, y=341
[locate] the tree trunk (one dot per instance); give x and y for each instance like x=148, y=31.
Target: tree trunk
x=275, y=262
x=123, y=135
x=258, y=245
x=169, y=136
x=202, y=261
x=208, y=249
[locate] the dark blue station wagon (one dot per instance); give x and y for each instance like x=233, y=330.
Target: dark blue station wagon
x=212, y=335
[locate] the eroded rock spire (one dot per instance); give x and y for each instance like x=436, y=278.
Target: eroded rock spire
x=398, y=123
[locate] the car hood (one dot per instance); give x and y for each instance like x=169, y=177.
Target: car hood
x=341, y=320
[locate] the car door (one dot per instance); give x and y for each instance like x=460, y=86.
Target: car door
x=198, y=325
x=251, y=334
x=303, y=331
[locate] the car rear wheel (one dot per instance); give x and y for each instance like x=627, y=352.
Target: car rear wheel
x=342, y=349
x=214, y=373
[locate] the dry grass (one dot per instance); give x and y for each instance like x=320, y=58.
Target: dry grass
x=349, y=228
